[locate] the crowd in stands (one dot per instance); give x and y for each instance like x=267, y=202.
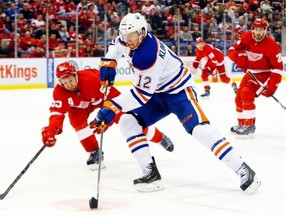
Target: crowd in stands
x=52, y=23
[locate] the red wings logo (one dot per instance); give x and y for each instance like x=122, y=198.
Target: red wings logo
x=254, y=56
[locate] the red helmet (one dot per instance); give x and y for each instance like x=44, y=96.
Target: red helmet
x=199, y=40
x=262, y=23
x=65, y=70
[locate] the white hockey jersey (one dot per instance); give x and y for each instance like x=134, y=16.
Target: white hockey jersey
x=156, y=69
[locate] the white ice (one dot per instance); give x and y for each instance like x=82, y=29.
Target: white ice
x=59, y=183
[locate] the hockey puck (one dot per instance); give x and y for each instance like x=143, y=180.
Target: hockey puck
x=93, y=203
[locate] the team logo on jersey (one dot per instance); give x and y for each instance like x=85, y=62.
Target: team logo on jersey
x=254, y=56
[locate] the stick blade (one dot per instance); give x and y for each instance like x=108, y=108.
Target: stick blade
x=2, y=196
x=93, y=203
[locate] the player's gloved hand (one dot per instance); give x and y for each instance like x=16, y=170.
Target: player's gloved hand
x=48, y=136
x=195, y=64
x=242, y=61
x=270, y=88
x=108, y=112
x=96, y=125
x=107, y=70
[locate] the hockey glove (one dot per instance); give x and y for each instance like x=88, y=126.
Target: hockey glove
x=107, y=70
x=96, y=125
x=271, y=87
x=108, y=112
x=195, y=64
x=48, y=136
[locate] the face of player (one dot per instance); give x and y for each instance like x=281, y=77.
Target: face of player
x=200, y=46
x=258, y=33
x=132, y=40
x=70, y=83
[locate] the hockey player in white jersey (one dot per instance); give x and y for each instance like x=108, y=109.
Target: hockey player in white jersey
x=161, y=86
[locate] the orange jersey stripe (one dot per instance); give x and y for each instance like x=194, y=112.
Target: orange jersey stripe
x=200, y=111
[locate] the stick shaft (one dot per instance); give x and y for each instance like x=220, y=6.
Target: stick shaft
x=101, y=144
x=3, y=195
x=264, y=87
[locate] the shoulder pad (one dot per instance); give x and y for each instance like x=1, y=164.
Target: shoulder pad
x=145, y=55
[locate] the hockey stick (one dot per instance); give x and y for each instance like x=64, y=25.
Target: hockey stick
x=264, y=87
x=3, y=195
x=93, y=202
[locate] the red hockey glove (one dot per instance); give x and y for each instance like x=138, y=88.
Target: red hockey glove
x=242, y=61
x=270, y=88
x=97, y=126
x=195, y=64
x=48, y=136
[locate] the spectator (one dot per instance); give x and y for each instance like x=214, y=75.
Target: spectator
x=8, y=23
x=21, y=23
x=147, y=8
x=88, y=51
x=3, y=29
x=12, y=10
x=59, y=7
x=53, y=42
x=84, y=21
x=185, y=34
x=41, y=42
x=27, y=12
x=38, y=52
x=38, y=22
x=89, y=41
x=40, y=31
x=189, y=50
x=196, y=33
x=54, y=30
x=65, y=37
x=27, y=43
x=98, y=51
x=70, y=8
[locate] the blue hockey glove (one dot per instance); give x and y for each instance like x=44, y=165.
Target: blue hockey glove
x=108, y=112
x=107, y=70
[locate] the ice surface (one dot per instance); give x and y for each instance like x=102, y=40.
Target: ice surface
x=59, y=183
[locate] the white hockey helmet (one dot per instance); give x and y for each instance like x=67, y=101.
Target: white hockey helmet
x=133, y=22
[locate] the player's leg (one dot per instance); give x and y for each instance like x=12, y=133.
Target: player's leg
x=225, y=79
x=196, y=123
x=78, y=120
x=154, y=135
x=205, y=83
x=139, y=147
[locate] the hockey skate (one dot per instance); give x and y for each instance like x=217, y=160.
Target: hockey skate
x=93, y=160
x=234, y=86
x=234, y=128
x=246, y=130
x=206, y=94
x=149, y=182
x=166, y=143
x=248, y=180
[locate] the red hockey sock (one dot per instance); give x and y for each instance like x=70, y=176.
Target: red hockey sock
x=153, y=134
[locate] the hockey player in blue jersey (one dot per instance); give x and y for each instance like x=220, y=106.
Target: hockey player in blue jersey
x=161, y=86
